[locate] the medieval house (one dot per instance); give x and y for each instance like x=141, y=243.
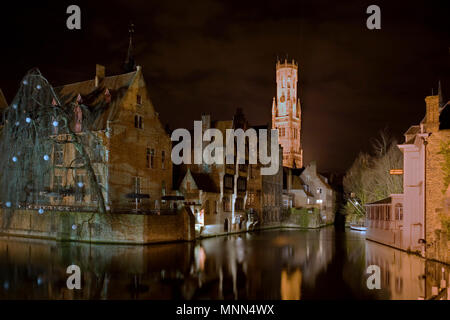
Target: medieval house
x=131, y=156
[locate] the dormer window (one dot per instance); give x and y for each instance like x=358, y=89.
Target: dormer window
x=107, y=96
x=138, y=99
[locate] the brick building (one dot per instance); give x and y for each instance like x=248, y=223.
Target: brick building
x=131, y=158
x=310, y=189
x=231, y=197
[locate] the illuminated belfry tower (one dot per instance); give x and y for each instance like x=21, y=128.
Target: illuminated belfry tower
x=286, y=113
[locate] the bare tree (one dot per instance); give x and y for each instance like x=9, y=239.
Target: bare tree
x=368, y=179
x=35, y=123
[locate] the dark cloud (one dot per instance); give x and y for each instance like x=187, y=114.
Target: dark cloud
x=214, y=56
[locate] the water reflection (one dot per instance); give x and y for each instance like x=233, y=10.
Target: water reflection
x=277, y=264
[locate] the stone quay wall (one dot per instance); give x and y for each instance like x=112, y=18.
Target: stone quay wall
x=101, y=228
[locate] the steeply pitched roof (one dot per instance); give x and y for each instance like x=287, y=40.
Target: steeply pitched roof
x=94, y=97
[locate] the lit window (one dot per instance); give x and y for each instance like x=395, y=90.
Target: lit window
x=137, y=186
x=138, y=122
x=319, y=201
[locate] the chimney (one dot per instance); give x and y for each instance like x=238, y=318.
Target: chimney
x=99, y=74
x=432, y=113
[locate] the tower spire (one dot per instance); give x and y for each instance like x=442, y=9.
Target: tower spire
x=130, y=64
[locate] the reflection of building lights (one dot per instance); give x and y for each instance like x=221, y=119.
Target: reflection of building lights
x=240, y=249
x=200, y=258
x=201, y=217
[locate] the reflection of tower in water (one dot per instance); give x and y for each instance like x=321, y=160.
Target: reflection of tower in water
x=291, y=283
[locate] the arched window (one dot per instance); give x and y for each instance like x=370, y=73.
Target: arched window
x=399, y=211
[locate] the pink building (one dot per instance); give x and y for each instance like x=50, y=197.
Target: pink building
x=425, y=195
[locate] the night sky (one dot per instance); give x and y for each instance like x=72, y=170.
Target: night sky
x=213, y=56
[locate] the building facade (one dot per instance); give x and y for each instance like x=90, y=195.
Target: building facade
x=130, y=152
x=309, y=189
x=286, y=113
x=419, y=221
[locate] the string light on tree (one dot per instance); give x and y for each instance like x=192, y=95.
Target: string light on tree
x=8, y=204
x=41, y=211
x=26, y=136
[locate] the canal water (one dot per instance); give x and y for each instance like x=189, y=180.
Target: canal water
x=271, y=264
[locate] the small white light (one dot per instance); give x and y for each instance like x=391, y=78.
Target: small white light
x=28, y=120
x=55, y=123
x=14, y=159
x=74, y=227
x=46, y=157
x=17, y=123
x=80, y=184
x=8, y=204
x=38, y=87
x=41, y=211
x=25, y=82
x=14, y=106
